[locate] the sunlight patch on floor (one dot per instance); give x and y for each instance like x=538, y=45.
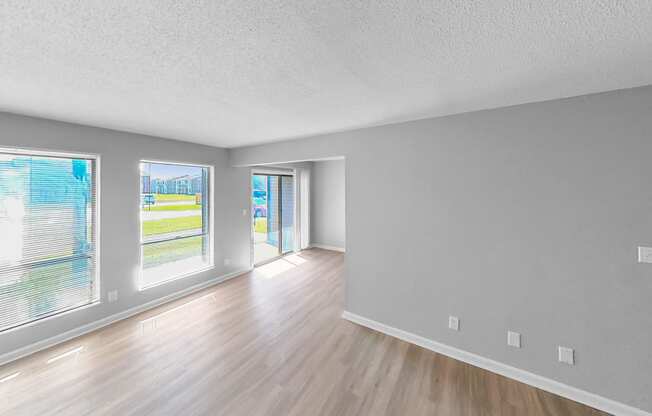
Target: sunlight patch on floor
x=74, y=351
x=295, y=259
x=275, y=268
x=9, y=377
x=210, y=296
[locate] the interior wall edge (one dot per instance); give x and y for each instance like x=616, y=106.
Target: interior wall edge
x=327, y=247
x=524, y=218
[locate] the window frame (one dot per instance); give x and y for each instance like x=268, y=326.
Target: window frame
x=211, y=227
x=96, y=299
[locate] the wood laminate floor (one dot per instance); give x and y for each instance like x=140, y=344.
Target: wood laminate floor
x=270, y=342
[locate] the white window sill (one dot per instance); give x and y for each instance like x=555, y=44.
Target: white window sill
x=177, y=277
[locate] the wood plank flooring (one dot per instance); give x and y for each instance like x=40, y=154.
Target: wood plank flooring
x=270, y=342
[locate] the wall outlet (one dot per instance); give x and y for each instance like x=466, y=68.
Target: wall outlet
x=645, y=254
x=513, y=339
x=566, y=355
x=227, y=262
x=113, y=296
x=454, y=323
x=245, y=211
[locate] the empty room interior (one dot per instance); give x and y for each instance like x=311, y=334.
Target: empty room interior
x=326, y=208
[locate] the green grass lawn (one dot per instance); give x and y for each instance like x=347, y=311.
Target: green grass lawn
x=169, y=251
x=173, y=197
x=260, y=225
x=183, y=207
x=169, y=225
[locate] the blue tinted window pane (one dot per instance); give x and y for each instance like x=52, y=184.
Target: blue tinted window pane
x=47, y=249
x=287, y=208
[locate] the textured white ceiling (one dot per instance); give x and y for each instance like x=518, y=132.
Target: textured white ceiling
x=231, y=73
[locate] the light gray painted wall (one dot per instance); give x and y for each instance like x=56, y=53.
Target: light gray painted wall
x=120, y=155
x=327, y=203
x=524, y=218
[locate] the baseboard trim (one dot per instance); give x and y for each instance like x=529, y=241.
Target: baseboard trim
x=543, y=383
x=93, y=326
x=326, y=247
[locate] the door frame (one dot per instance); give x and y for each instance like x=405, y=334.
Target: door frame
x=271, y=172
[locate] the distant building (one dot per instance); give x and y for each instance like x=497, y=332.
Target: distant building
x=171, y=186
x=157, y=186
x=145, y=184
x=196, y=185
x=184, y=185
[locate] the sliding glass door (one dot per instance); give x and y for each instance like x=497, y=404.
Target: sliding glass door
x=273, y=215
x=286, y=215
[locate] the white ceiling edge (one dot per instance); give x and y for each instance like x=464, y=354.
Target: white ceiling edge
x=423, y=118
x=112, y=127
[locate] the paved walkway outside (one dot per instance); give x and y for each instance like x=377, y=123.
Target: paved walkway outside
x=161, y=215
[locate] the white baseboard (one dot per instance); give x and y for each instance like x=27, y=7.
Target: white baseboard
x=325, y=247
x=543, y=383
x=93, y=326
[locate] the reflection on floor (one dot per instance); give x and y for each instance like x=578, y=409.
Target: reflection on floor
x=262, y=250
x=281, y=265
x=270, y=342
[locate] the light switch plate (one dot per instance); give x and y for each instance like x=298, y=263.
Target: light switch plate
x=513, y=339
x=454, y=323
x=566, y=355
x=113, y=296
x=645, y=254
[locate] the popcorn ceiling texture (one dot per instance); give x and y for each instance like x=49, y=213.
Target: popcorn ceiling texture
x=232, y=73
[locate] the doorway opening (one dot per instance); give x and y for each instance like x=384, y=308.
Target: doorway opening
x=272, y=208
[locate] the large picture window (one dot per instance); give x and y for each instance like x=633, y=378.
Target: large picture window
x=175, y=221
x=48, y=234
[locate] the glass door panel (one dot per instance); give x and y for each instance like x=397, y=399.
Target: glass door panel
x=273, y=211
x=273, y=216
x=265, y=217
x=287, y=213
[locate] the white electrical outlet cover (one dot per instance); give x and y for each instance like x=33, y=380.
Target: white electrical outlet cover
x=454, y=323
x=566, y=355
x=513, y=339
x=645, y=254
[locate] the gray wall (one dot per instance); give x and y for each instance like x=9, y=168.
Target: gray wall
x=524, y=218
x=327, y=203
x=119, y=229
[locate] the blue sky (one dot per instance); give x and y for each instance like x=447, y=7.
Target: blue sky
x=165, y=171
x=259, y=182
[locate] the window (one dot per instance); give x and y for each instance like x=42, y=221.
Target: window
x=175, y=221
x=48, y=234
